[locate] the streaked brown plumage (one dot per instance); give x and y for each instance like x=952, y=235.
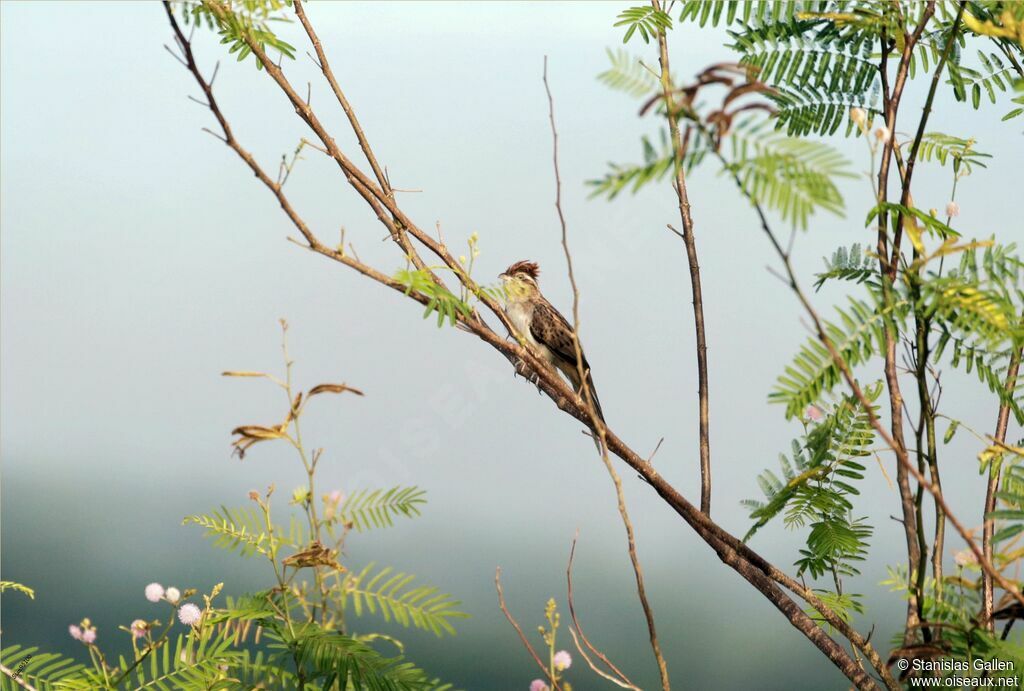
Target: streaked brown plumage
x=543, y=326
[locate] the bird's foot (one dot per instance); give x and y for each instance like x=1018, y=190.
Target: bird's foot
x=531, y=376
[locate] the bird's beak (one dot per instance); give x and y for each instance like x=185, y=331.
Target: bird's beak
x=503, y=277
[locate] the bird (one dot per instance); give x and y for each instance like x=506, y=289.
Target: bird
x=543, y=327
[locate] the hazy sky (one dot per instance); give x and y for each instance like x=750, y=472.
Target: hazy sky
x=140, y=258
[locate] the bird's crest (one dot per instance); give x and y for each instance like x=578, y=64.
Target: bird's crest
x=527, y=267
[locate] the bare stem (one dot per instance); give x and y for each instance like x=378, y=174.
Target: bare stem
x=988, y=529
x=519, y=630
x=690, y=243
x=589, y=399
x=577, y=634
x=16, y=678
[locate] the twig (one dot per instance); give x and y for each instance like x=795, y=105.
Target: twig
x=695, y=288
x=988, y=528
x=575, y=629
x=519, y=630
x=16, y=678
x=596, y=419
x=691, y=255
x=887, y=272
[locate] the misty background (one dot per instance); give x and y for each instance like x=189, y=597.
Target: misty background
x=139, y=258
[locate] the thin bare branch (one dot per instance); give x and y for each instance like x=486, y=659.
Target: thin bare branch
x=620, y=679
x=695, y=286
x=16, y=678
x=519, y=630
x=588, y=396
x=988, y=529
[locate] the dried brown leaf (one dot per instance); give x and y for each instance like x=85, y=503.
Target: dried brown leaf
x=258, y=432
x=333, y=388
x=314, y=555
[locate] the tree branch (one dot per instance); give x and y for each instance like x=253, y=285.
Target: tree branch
x=757, y=571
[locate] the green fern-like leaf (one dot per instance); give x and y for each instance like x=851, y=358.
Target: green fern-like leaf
x=645, y=20
x=393, y=595
x=657, y=164
x=378, y=508
x=946, y=149
x=750, y=12
x=995, y=73
x=334, y=660
x=439, y=299
x=44, y=671
x=244, y=530
x=845, y=605
x=792, y=177
x=240, y=21
x=857, y=335
x=825, y=463
x=627, y=74
x=849, y=265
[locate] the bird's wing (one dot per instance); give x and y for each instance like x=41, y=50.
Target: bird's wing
x=551, y=329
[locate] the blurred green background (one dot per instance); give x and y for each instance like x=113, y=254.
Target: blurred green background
x=139, y=258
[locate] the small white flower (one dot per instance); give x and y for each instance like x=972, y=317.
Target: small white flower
x=189, y=614
x=172, y=594
x=952, y=209
x=965, y=557
x=859, y=116
x=883, y=134
x=154, y=591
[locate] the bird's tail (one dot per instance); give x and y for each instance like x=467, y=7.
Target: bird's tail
x=597, y=408
x=593, y=396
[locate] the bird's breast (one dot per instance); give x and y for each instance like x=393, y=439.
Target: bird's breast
x=521, y=314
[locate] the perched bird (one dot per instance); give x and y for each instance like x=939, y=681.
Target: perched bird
x=543, y=327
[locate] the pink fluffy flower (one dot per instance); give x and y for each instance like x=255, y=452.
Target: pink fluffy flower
x=138, y=628
x=75, y=631
x=538, y=685
x=154, y=591
x=562, y=660
x=189, y=614
x=89, y=636
x=814, y=413
x=952, y=209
